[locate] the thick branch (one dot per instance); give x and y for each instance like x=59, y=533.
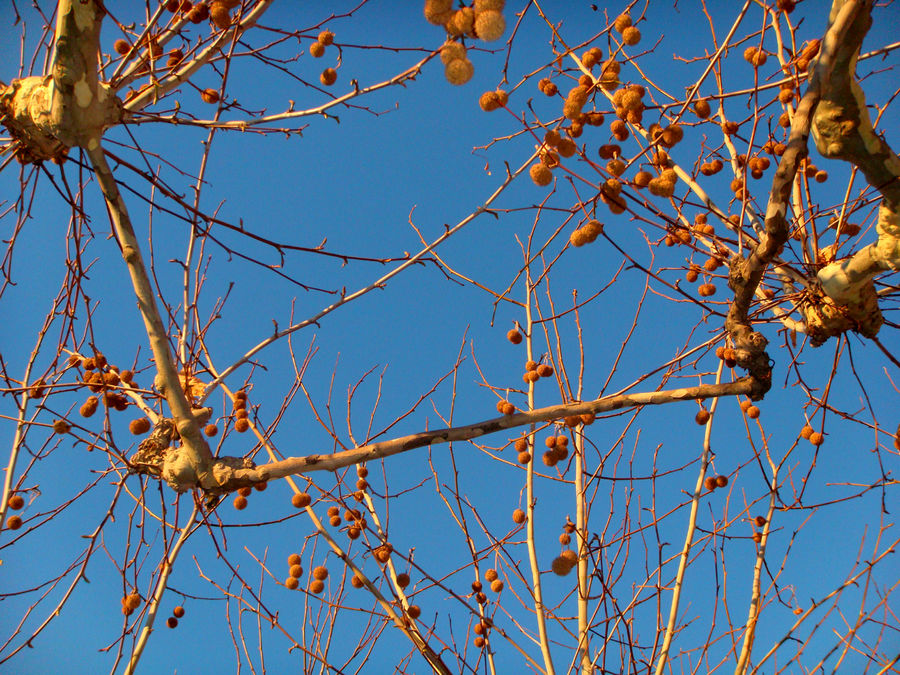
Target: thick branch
x=231, y=479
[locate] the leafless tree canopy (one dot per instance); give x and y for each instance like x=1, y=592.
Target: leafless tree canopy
x=496, y=337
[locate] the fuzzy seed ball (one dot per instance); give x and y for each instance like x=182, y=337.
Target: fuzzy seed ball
x=260, y=486
x=178, y=611
x=524, y=457
x=491, y=575
x=316, y=586
x=489, y=101
x=497, y=586
x=210, y=430
x=241, y=425
x=490, y=25
x=219, y=14
x=753, y=412
x=514, y=336
x=622, y=22
x=61, y=427
x=294, y=559
x=121, y=46
x=561, y=566
x=328, y=77
x=403, y=580
x=710, y=483
x=452, y=50
x=301, y=500
x=631, y=36
x=13, y=523
x=16, y=502
x=209, y=96
x=806, y=432
x=459, y=71
x=721, y=481
x=335, y=521
x=383, y=553
x=291, y=584
x=575, y=101
x=760, y=521
x=240, y=502
x=461, y=22
x=139, y=426
x=702, y=416
x=316, y=49
x=521, y=445
x=816, y=438
x=414, y=612
x=438, y=12
x=356, y=582
x=518, y=516
x=540, y=174
x=245, y=491
x=172, y=622
x=545, y=369
x=326, y=37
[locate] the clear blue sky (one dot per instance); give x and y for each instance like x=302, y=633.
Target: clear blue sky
x=358, y=182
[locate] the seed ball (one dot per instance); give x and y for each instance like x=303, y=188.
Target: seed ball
x=702, y=109
x=89, y=407
x=548, y=87
x=514, y=336
x=821, y=176
x=461, y=22
x=240, y=503
x=565, y=539
x=489, y=101
x=13, y=523
x=326, y=37
x=335, y=521
x=356, y=582
x=328, y=77
x=521, y=445
x=291, y=584
x=452, y=50
x=806, y=432
x=476, y=586
x=178, y=611
x=317, y=586
x=459, y=71
x=549, y=458
x=316, y=49
x=139, y=426
x=816, y=438
x=172, y=622
x=518, y=516
x=61, y=427
x=16, y=502
x=219, y=14
x=730, y=128
x=545, y=369
x=209, y=96
x=121, y=46
x=540, y=174
x=241, y=425
x=490, y=25
x=524, y=457
x=414, y=612
x=757, y=537
x=403, y=580
x=497, y=586
x=622, y=22
x=721, y=481
x=301, y=500
x=383, y=553
x=631, y=36
x=702, y=416
x=561, y=566
x=210, y=430
x=438, y=12
x=491, y=575
x=753, y=412
x=296, y=571
x=760, y=521
x=133, y=601
x=294, y=559
x=710, y=483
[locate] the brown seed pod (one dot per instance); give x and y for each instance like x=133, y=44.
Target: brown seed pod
x=403, y=580
x=497, y=586
x=702, y=108
x=721, y=481
x=320, y=572
x=245, y=491
x=210, y=430
x=178, y=611
x=240, y=503
x=461, y=22
x=301, y=500
x=753, y=412
x=524, y=457
x=622, y=22
x=328, y=77
x=209, y=96
x=702, y=416
x=291, y=584
x=816, y=438
x=518, y=516
x=490, y=25
x=566, y=147
x=588, y=418
x=514, y=336
x=219, y=13
x=294, y=559
x=413, y=612
x=383, y=553
x=540, y=174
x=631, y=36
x=89, y=407
x=760, y=521
x=520, y=445
x=561, y=566
x=139, y=426
x=13, y=523
x=317, y=49
x=61, y=427
x=326, y=37
x=317, y=586
x=452, y=50
x=806, y=432
x=16, y=502
x=172, y=622
x=476, y=586
x=438, y=12
x=575, y=101
x=335, y=521
x=565, y=539
x=489, y=101
x=545, y=369
x=121, y=46
x=642, y=179
x=241, y=425
x=710, y=483
x=491, y=575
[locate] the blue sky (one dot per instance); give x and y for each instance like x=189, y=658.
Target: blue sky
x=358, y=182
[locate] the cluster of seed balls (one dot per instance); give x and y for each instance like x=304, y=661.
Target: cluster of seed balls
x=483, y=20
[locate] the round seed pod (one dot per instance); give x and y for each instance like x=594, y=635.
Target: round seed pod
x=631, y=36
x=353, y=532
x=806, y=432
x=383, y=553
x=757, y=537
x=335, y=521
x=260, y=486
x=476, y=586
x=438, y=12
x=326, y=37
x=461, y=22
x=210, y=430
x=459, y=71
x=489, y=25
x=524, y=457
x=753, y=412
x=561, y=566
x=403, y=580
x=622, y=22
x=816, y=438
x=139, y=426
x=710, y=483
x=452, y=50
x=240, y=503
x=575, y=101
x=320, y=572
x=587, y=419
x=294, y=559
x=760, y=521
x=592, y=57
x=721, y=481
x=566, y=147
x=16, y=502
x=61, y=427
x=413, y=612
x=317, y=49
x=121, y=46
x=702, y=416
x=172, y=622
x=328, y=77
x=178, y=611
x=514, y=336
x=491, y=575
x=209, y=96
x=316, y=586
x=219, y=14
x=241, y=425
x=296, y=571
x=489, y=101
x=89, y=407
x=702, y=108
x=565, y=539
x=291, y=584
x=245, y=491
x=518, y=516
x=545, y=369
x=730, y=128
x=13, y=523
x=301, y=500
x=540, y=174
x=497, y=586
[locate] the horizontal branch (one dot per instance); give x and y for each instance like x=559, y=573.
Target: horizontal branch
x=231, y=479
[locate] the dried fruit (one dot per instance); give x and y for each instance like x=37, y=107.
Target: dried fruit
x=806, y=432
x=178, y=611
x=240, y=502
x=518, y=516
x=241, y=425
x=328, y=77
x=403, y=580
x=710, y=483
x=301, y=500
x=760, y=521
x=139, y=426
x=210, y=430
x=317, y=586
x=121, y=46
x=294, y=559
x=61, y=427
x=326, y=37
x=459, y=71
x=631, y=36
x=16, y=502
x=497, y=586
x=438, y=12
x=320, y=572
x=452, y=50
x=490, y=25
x=172, y=622
x=291, y=584
x=540, y=174
x=209, y=96
x=414, y=612
x=721, y=481
x=89, y=407
x=816, y=438
x=317, y=49
x=13, y=523
x=702, y=416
